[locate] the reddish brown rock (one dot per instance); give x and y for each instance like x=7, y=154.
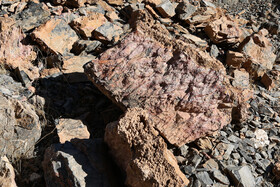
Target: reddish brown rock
x=267, y=81
x=223, y=30
x=14, y=54
x=141, y=152
x=85, y=25
x=69, y=129
x=276, y=170
x=235, y=59
x=115, y=2
x=259, y=53
x=186, y=92
x=56, y=36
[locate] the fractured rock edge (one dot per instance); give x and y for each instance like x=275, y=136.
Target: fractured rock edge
x=141, y=152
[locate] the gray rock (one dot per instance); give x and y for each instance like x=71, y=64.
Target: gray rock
x=220, y=177
x=88, y=46
x=80, y=163
x=204, y=178
x=184, y=150
x=185, y=10
x=108, y=32
x=166, y=9
x=32, y=17
x=214, y=51
x=241, y=176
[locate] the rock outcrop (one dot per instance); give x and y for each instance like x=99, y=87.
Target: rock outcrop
x=141, y=152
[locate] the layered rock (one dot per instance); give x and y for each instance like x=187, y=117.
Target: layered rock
x=186, y=93
x=141, y=152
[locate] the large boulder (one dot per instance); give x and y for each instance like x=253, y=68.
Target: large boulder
x=141, y=152
x=185, y=91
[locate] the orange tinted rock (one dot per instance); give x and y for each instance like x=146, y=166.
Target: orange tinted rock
x=259, y=52
x=235, y=59
x=85, y=25
x=55, y=36
x=223, y=30
x=72, y=3
x=182, y=95
x=267, y=81
x=141, y=152
x=74, y=64
x=115, y=2
x=69, y=129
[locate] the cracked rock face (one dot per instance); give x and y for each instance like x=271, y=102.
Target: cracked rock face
x=183, y=98
x=141, y=152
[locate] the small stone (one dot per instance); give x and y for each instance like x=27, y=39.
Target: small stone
x=184, y=150
x=185, y=10
x=211, y=164
x=180, y=159
x=220, y=177
x=108, y=32
x=214, y=51
x=236, y=156
x=115, y=2
x=242, y=176
x=204, y=178
x=88, y=46
x=241, y=79
x=261, y=138
x=267, y=81
x=166, y=9
x=69, y=129
x=227, y=154
x=233, y=138
x=276, y=170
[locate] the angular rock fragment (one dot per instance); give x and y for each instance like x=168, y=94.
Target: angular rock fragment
x=203, y=16
x=79, y=163
x=235, y=59
x=69, y=129
x=85, y=25
x=184, y=92
x=242, y=176
x=241, y=79
x=259, y=53
x=74, y=64
x=7, y=173
x=71, y=3
x=276, y=170
x=223, y=30
x=88, y=46
x=56, y=36
x=141, y=152
x=115, y=2
x=166, y=9
x=32, y=17
x=267, y=81
x=185, y=10
x=108, y=32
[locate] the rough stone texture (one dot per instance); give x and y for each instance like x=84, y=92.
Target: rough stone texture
x=267, y=81
x=166, y=9
x=32, y=17
x=259, y=52
x=71, y=3
x=69, y=129
x=276, y=170
x=20, y=128
x=85, y=25
x=235, y=59
x=185, y=96
x=74, y=64
x=115, y=2
x=108, y=32
x=223, y=30
x=56, y=36
x=79, y=163
x=242, y=176
x=7, y=173
x=13, y=53
x=87, y=46
x=241, y=79
x=141, y=152
x=203, y=16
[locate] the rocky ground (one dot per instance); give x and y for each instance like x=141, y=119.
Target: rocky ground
x=140, y=93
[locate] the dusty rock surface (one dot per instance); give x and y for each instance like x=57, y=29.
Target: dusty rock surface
x=141, y=152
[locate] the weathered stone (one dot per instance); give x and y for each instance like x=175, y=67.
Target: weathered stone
x=74, y=64
x=141, y=152
x=108, y=32
x=261, y=138
x=259, y=53
x=7, y=173
x=220, y=177
x=32, y=17
x=223, y=30
x=166, y=9
x=235, y=59
x=56, y=36
x=241, y=79
x=115, y=2
x=71, y=3
x=173, y=87
x=185, y=10
x=276, y=170
x=85, y=25
x=69, y=129
x=267, y=81
x=14, y=54
x=203, y=16
x=20, y=129
x=79, y=163
x=204, y=178
x=87, y=46
x=242, y=176
x=189, y=38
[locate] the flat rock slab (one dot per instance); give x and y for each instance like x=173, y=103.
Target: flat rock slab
x=182, y=96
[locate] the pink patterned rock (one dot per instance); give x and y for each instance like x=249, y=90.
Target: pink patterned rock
x=185, y=97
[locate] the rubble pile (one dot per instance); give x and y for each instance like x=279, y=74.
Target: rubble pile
x=139, y=93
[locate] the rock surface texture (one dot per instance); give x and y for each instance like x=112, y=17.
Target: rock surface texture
x=141, y=152
x=183, y=97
